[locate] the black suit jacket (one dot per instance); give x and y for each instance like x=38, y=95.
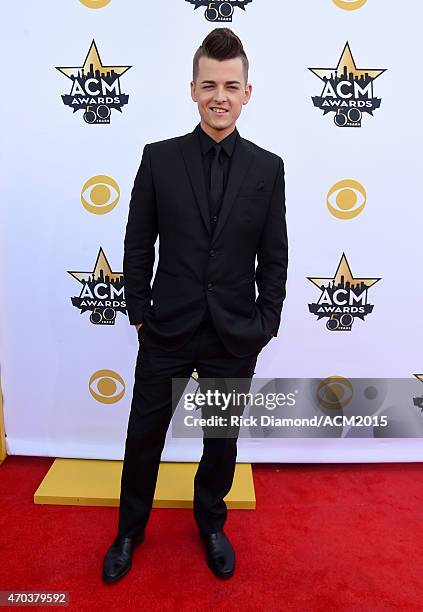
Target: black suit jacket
x=198, y=266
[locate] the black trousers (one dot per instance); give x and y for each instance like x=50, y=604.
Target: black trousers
x=153, y=402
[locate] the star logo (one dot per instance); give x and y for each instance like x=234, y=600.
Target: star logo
x=94, y=64
x=102, y=292
x=343, y=297
x=101, y=271
x=348, y=90
x=95, y=87
x=343, y=276
x=346, y=67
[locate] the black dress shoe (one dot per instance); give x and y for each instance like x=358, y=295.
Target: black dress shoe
x=220, y=554
x=118, y=559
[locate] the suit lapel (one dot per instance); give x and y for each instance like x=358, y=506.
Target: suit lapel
x=241, y=162
x=191, y=153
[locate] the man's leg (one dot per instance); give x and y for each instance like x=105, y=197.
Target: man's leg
x=151, y=412
x=215, y=472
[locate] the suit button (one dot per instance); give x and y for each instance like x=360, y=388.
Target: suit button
x=214, y=218
x=212, y=253
x=210, y=286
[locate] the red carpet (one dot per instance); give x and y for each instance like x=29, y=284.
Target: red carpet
x=323, y=537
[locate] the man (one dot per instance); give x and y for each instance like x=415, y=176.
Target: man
x=216, y=201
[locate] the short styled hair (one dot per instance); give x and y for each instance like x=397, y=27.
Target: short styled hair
x=220, y=44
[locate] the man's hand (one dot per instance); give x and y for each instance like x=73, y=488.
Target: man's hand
x=138, y=325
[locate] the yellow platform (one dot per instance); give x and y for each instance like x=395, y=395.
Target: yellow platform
x=92, y=482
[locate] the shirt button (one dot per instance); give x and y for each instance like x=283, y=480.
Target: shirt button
x=212, y=253
x=210, y=286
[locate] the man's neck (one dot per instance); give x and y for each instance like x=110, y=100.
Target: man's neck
x=217, y=135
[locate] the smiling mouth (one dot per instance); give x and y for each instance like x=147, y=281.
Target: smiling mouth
x=218, y=111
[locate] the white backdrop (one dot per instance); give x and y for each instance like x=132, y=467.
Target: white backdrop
x=49, y=350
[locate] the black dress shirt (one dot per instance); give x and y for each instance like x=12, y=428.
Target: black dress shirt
x=206, y=144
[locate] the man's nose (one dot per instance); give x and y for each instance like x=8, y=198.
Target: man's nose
x=220, y=96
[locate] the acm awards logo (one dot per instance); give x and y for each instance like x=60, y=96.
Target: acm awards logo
x=219, y=10
x=102, y=292
x=342, y=298
x=95, y=89
x=348, y=91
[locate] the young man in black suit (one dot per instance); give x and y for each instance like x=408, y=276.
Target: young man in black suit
x=216, y=201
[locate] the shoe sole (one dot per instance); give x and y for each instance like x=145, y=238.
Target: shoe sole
x=220, y=575
x=111, y=580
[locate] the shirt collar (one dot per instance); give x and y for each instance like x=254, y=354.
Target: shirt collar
x=206, y=142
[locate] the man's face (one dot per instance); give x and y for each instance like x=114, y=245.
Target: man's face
x=220, y=92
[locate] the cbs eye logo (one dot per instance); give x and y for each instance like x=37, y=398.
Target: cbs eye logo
x=97, y=196
x=346, y=199
x=334, y=392
x=349, y=5
x=107, y=386
x=95, y=4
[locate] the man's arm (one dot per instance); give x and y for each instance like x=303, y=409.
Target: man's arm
x=140, y=237
x=272, y=257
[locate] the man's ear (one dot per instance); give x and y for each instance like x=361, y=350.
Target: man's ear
x=247, y=94
x=193, y=95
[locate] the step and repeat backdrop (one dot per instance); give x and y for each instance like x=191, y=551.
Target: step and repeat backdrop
x=336, y=93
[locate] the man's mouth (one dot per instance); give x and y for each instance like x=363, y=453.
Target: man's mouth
x=218, y=110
